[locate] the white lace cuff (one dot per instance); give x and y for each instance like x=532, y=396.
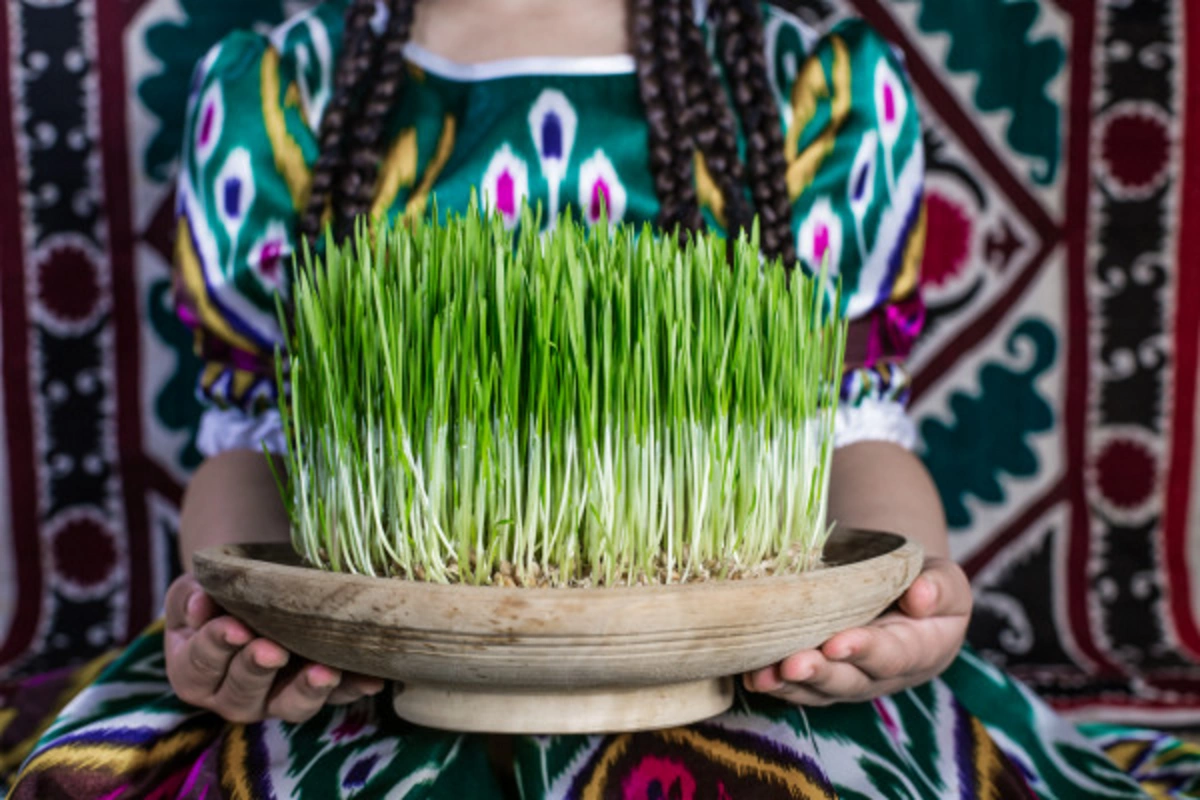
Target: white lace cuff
x=224, y=429
x=875, y=421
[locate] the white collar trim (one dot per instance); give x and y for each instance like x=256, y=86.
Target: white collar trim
x=518, y=67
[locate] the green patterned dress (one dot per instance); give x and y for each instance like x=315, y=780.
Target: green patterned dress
x=565, y=133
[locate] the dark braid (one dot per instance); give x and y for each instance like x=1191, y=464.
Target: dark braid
x=743, y=52
x=356, y=184
x=671, y=188
x=682, y=209
x=715, y=130
x=352, y=67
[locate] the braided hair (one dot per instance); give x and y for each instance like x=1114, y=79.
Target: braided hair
x=688, y=112
x=743, y=51
x=352, y=129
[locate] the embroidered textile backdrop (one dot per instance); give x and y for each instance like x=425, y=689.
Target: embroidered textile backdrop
x=1056, y=387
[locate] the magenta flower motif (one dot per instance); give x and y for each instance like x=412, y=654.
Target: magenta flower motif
x=891, y=108
x=268, y=260
x=209, y=123
x=506, y=195
x=889, y=103
x=270, y=253
x=659, y=777
x=355, y=719
x=506, y=185
x=885, y=716
x=206, y=125
x=821, y=236
x=821, y=242
x=601, y=198
x=600, y=188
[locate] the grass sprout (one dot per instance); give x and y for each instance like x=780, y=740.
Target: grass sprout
x=576, y=407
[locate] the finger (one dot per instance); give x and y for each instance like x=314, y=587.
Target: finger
x=305, y=694
x=898, y=647
x=176, y=601
x=812, y=671
x=798, y=694
x=354, y=688
x=766, y=679
x=800, y=667
x=200, y=609
x=881, y=652
x=202, y=660
x=840, y=681
x=942, y=589
x=188, y=606
x=242, y=696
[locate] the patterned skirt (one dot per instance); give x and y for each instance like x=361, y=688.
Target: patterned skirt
x=119, y=732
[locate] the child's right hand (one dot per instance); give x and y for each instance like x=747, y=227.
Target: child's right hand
x=215, y=662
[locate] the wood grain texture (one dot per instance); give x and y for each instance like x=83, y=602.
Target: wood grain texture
x=496, y=642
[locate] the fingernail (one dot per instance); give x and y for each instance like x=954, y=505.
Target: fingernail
x=236, y=637
x=322, y=678
x=802, y=674
x=271, y=660
x=771, y=680
x=932, y=591
x=191, y=606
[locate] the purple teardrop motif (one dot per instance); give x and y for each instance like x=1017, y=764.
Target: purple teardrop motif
x=552, y=136
x=233, y=197
x=860, y=181
x=357, y=776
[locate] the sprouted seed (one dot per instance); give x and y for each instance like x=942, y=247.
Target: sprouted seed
x=580, y=406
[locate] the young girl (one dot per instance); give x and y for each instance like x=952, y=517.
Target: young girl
x=688, y=115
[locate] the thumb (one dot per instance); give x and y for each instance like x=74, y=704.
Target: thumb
x=941, y=590
x=187, y=604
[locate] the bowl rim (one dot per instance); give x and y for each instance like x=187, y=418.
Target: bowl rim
x=222, y=557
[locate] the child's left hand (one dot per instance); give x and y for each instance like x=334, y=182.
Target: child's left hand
x=901, y=649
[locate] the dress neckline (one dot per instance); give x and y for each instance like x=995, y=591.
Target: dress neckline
x=530, y=66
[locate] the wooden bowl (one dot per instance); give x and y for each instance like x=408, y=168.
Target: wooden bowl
x=560, y=660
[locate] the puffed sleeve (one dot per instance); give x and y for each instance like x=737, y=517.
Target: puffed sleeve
x=856, y=179
x=244, y=178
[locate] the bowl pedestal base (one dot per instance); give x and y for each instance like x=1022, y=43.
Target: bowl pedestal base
x=568, y=711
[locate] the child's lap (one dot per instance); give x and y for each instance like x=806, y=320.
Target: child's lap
x=127, y=735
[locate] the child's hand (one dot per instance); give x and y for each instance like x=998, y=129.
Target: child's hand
x=216, y=663
x=901, y=649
